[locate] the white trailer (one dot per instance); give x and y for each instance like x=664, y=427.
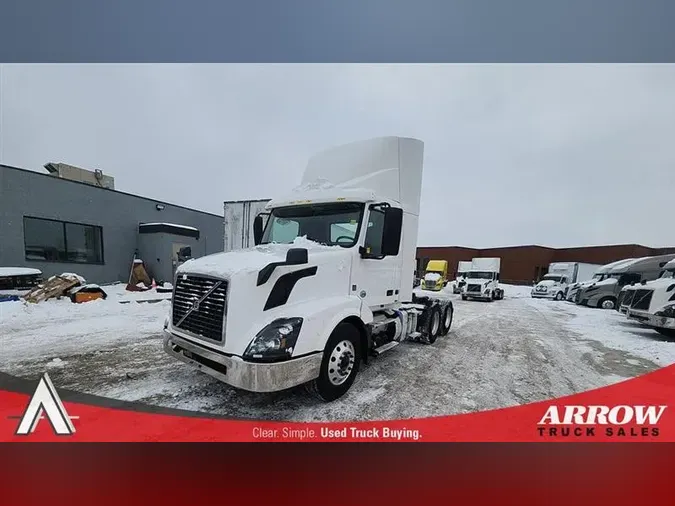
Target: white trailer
x=482, y=280
x=328, y=284
x=238, y=217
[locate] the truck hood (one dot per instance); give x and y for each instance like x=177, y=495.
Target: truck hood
x=547, y=283
x=604, y=282
x=656, y=284
x=251, y=260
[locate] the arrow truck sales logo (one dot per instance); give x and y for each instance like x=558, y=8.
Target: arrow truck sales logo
x=46, y=401
x=611, y=421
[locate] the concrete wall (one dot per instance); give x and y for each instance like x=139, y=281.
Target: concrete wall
x=28, y=193
x=525, y=264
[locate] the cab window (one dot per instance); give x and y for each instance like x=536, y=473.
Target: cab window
x=374, y=232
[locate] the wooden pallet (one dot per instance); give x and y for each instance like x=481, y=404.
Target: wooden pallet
x=56, y=286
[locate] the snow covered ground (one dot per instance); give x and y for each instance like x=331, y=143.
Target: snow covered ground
x=497, y=354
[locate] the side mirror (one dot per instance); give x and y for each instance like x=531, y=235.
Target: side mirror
x=391, y=231
x=296, y=256
x=258, y=229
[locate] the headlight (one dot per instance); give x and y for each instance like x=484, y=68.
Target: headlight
x=276, y=341
x=668, y=311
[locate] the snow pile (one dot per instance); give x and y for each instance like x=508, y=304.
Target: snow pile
x=73, y=276
x=250, y=259
x=18, y=271
x=432, y=276
x=59, y=327
x=613, y=330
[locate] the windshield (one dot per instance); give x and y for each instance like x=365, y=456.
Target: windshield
x=479, y=275
x=598, y=277
x=670, y=273
x=552, y=277
x=330, y=224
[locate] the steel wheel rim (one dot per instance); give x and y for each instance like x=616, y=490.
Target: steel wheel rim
x=448, y=318
x=341, y=362
x=608, y=304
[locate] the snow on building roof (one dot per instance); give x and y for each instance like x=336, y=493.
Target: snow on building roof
x=18, y=271
x=174, y=225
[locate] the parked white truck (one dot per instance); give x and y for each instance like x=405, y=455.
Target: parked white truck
x=600, y=273
x=482, y=280
x=463, y=269
x=605, y=293
x=653, y=303
x=328, y=284
x=555, y=284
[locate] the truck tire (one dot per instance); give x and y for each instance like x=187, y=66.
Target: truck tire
x=559, y=296
x=340, y=365
x=463, y=297
x=432, y=324
x=446, y=321
x=607, y=303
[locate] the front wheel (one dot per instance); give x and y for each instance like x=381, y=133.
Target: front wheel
x=559, y=296
x=607, y=303
x=340, y=364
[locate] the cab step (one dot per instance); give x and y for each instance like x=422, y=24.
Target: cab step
x=385, y=347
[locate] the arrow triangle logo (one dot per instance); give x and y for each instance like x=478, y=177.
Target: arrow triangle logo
x=46, y=401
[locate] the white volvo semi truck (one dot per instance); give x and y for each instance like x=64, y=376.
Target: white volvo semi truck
x=328, y=284
x=653, y=303
x=482, y=280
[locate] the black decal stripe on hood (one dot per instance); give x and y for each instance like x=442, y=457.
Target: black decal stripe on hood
x=283, y=287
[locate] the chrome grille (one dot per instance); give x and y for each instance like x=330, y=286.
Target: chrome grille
x=202, y=318
x=473, y=288
x=641, y=299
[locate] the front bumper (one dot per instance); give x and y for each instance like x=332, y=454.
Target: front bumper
x=651, y=320
x=251, y=376
x=542, y=295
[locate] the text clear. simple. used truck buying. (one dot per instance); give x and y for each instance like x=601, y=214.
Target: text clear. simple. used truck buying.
x=482, y=280
x=328, y=284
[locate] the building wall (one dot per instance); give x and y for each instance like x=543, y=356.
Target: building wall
x=28, y=193
x=525, y=264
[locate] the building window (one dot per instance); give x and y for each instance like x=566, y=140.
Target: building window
x=60, y=241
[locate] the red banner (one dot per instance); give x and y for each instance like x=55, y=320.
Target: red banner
x=635, y=410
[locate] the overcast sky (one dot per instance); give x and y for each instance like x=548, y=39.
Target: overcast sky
x=519, y=154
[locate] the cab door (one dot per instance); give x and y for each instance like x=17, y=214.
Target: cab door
x=374, y=278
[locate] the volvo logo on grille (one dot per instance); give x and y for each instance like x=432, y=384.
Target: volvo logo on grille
x=195, y=304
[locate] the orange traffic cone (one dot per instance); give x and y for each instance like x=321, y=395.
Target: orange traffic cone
x=154, y=285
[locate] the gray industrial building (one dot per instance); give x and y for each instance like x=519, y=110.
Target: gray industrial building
x=73, y=220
